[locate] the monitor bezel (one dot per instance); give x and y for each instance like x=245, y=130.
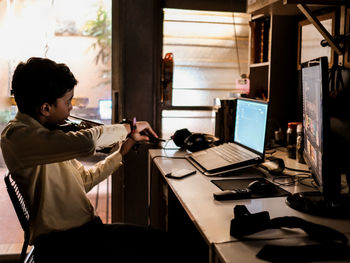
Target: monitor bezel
x=323, y=181
x=328, y=201
x=262, y=154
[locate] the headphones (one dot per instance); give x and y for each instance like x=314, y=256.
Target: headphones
x=193, y=141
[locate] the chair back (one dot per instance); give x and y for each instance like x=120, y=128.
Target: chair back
x=21, y=211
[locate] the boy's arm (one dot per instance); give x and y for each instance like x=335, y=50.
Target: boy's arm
x=100, y=171
x=26, y=146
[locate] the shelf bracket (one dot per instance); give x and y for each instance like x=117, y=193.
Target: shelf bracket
x=323, y=31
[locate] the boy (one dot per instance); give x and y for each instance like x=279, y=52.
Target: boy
x=41, y=159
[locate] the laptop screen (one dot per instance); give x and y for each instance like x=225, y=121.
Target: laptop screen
x=250, y=126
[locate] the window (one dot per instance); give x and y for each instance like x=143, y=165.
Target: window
x=210, y=52
x=77, y=33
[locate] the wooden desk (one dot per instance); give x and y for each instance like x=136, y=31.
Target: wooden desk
x=246, y=251
x=211, y=218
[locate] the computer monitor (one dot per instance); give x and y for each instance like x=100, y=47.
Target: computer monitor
x=105, y=109
x=318, y=151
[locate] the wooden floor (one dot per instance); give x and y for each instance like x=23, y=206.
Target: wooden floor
x=11, y=234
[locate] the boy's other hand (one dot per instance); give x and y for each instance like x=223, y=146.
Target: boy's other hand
x=143, y=132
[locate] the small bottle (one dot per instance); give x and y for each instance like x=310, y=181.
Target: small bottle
x=300, y=144
x=167, y=79
x=291, y=140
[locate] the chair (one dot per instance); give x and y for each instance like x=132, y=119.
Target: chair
x=22, y=214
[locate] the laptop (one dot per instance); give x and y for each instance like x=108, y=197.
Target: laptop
x=248, y=146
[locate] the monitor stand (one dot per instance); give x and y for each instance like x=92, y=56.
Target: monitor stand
x=314, y=203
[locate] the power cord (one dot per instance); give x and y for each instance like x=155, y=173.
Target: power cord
x=151, y=177
x=277, y=170
x=297, y=170
x=166, y=143
x=296, y=178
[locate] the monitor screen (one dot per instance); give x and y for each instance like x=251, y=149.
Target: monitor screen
x=105, y=109
x=318, y=149
x=250, y=124
x=315, y=122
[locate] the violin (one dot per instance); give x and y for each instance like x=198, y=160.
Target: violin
x=74, y=123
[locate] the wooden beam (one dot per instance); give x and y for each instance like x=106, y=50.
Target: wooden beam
x=316, y=2
x=188, y=108
x=317, y=24
x=208, y=5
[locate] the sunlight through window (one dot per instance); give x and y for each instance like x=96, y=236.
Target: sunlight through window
x=210, y=51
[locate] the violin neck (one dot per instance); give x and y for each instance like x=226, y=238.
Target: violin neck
x=93, y=123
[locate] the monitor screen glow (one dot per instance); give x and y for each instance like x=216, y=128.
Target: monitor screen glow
x=250, y=124
x=313, y=118
x=105, y=109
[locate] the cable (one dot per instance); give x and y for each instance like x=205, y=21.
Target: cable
x=312, y=182
x=281, y=163
x=170, y=157
x=279, y=174
x=292, y=180
x=150, y=180
x=297, y=170
x=295, y=178
x=234, y=29
x=166, y=143
x=272, y=152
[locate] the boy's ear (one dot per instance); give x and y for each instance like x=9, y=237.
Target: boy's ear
x=45, y=109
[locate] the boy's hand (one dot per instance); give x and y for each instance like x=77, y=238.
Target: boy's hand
x=143, y=132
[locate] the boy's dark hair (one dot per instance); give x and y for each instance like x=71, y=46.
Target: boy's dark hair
x=38, y=81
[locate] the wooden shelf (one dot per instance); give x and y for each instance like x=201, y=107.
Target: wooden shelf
x=260, y=38
x=316, y=2
x=275, y=78
x=255, y=5
x=347, y=44
x=286, y=7
x=263, y=64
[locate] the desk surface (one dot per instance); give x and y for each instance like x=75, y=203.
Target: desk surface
x=212, y=218
x=246, y=251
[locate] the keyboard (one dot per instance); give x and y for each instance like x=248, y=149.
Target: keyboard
x=232, y=152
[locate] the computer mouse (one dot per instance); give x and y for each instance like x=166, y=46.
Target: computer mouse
x=262, y=187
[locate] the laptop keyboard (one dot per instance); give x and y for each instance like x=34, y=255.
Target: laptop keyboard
x=232, y=152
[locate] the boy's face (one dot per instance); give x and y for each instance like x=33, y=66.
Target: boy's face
x=60, y=112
